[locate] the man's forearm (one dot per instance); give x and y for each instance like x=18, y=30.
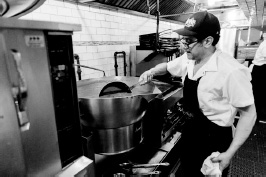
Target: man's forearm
x=243, y=128
x=159, y=69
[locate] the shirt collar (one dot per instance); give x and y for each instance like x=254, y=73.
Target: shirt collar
x=211, y=65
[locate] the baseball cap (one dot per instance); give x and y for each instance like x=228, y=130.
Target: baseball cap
x=200, y=24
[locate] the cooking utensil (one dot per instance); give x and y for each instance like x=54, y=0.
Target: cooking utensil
x=130, y=165
x=133, y=86
x=152, y=173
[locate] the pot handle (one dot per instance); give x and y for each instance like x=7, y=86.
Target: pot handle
x=115, y=87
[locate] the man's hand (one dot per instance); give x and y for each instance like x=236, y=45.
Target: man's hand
x=146, y=77
x=223, y=159
x=243, y=129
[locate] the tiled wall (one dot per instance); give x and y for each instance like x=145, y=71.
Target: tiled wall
x=104, y=32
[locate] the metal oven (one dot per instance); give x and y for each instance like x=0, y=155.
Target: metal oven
x=39, y=115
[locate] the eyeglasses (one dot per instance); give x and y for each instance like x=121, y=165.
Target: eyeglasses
x=187, y=41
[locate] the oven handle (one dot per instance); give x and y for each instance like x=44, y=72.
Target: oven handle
x=130, y=165
x=20, y=92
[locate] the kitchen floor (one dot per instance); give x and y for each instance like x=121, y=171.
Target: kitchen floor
x=250, y=160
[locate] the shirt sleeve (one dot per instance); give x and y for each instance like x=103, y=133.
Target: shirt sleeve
x=263, y=49
x=178, y=66
x=238, y=88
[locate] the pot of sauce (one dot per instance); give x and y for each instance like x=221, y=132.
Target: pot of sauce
x=115, y=119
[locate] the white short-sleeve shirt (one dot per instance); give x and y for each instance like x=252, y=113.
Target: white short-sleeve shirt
x=225, y=85
x=260, y=56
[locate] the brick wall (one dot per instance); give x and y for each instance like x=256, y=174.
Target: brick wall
x=104, y=32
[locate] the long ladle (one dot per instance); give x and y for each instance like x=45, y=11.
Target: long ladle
x=134, y=85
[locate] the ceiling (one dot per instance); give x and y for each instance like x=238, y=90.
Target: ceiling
x=231, y=13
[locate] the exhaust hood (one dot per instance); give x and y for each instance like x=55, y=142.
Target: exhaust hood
x=17, y=8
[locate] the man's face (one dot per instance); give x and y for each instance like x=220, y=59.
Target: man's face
x=191, y=46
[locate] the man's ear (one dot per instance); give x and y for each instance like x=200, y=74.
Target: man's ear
x=208, y=41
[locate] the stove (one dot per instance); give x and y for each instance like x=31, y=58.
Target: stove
x=162, y=130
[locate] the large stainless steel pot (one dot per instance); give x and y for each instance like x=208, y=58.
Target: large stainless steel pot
x=116, y=121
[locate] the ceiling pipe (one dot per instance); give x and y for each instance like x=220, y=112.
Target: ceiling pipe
x=172, y=15
x=84, y=1
x=209, y=10
x=224, y=7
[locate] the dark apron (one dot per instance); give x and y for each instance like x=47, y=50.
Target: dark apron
x=258, y=84
x=200, y=137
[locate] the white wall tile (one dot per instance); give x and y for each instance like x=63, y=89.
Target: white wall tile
x=114, y=25
x=100, y=31
x=95, y=23
x=100, y=17
x=95, y=9
x=91, y=15
x=64, y=11
x=58, y=18
x=76, y=37
x=117, y=19
x=58, y=3
x=48, y=9
x=79, y=49
x=41, y=17
x=96, y=38
x=85, y=37
x=93, y=61
x=114, y=38
x=84, y=7
x=109, y=18
x=27, y=17
x=75, y=13
x=105, y=24
x=88, y=56
x=71, y=5
x=90, y=30
x=101, y=48
x=106, y=37
x=92, y=49
x=73, y=20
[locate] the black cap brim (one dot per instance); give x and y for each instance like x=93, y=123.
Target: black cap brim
x=185, y=32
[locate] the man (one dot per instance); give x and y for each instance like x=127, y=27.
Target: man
x=258, y=81
x=216, y=87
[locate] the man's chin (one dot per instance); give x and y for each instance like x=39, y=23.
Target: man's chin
x=189, y=56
